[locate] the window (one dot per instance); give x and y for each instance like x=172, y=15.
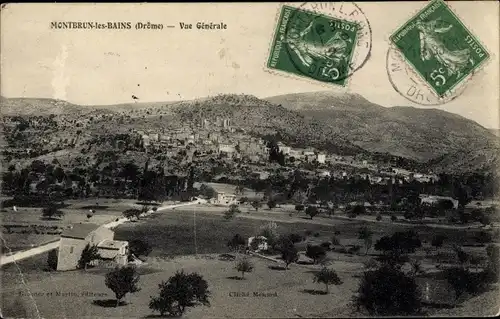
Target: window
x=71, y=249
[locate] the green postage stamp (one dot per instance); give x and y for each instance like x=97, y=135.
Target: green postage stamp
x=313, y=45
x=439, y=47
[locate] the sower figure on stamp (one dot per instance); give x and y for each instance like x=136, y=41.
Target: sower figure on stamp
x=431, y=46
x=335, y=49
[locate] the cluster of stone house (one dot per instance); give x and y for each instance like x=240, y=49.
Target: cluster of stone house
x=75, y=239
x=224, y=195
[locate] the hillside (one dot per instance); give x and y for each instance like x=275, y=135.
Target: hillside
x=421, y=134
x=339, y=123
x=35, y=106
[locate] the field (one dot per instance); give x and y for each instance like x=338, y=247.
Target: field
x=173, y=234
x=25, y=228
x=292, y=292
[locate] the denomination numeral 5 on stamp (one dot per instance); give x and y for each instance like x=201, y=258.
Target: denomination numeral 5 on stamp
x=438, y=46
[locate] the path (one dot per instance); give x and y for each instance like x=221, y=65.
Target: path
x=20, y=255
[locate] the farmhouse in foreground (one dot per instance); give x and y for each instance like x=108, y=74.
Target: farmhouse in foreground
x=74, y=240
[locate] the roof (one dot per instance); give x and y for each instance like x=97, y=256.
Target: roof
x=112, y=244
x=79, y=230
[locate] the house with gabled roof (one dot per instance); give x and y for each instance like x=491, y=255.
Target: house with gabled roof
x=78, y=236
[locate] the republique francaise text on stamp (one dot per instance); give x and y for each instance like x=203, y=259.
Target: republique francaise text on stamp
x=318, y=42
x=439, y=48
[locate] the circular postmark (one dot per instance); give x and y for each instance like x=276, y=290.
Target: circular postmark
x=327, y=41
x=411, y=86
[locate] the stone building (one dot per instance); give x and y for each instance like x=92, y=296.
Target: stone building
x=75, y=239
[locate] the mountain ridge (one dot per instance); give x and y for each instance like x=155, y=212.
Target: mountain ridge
x=337, y=122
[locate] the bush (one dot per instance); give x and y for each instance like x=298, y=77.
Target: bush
x=139, y=247
x=388, y=291
x=311, y=211
x=295, y=238
x=179, y=292
x=371, y=264
x=308, y=232
x=271, y=203
x=462, y=280
x=438, y=240
x=493, y=267
x=316, y=253
x=393, y=218
x=237, y=243
x=299, y=207
x=335, y=241
x=326, y=245
x=52, y=211
x=155, y=209
x=379, y=217
x=131, y=213
x=484, y=237
x=354, y=249
x=256, y=204
x=122, y=280
x=316, y=234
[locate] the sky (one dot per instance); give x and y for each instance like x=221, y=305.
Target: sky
x=98, y=67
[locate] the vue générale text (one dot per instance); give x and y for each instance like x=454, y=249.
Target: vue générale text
x=126, y=25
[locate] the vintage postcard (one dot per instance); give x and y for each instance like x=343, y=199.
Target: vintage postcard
x=250, y=160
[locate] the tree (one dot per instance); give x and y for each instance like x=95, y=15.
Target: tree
x=484, y=219
x=122, y=280
x=52, y=259
x=379, y=217
x=393, y=218
x=311, y=211
x=207, y=191
x=131, y=213
x=299, y=207
x=139, y=248
x=233, y=210
x=328, y=277
x=270, y=232
x=271, y=203
x=244, y=265
x=315, y=252
x=398, y=244
x=356, y=210
x=371, y=264
x=52, y=211
x=256, y=204
x=462, y=280
x=89, y=254
x=289, y=254
x=366, y=235
x=438, y=241
x=493, y=267
x=240, y=189
x=293, y=238
x=179, y=292
x=237, y=243
x=462, y=256
x=388, y=291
